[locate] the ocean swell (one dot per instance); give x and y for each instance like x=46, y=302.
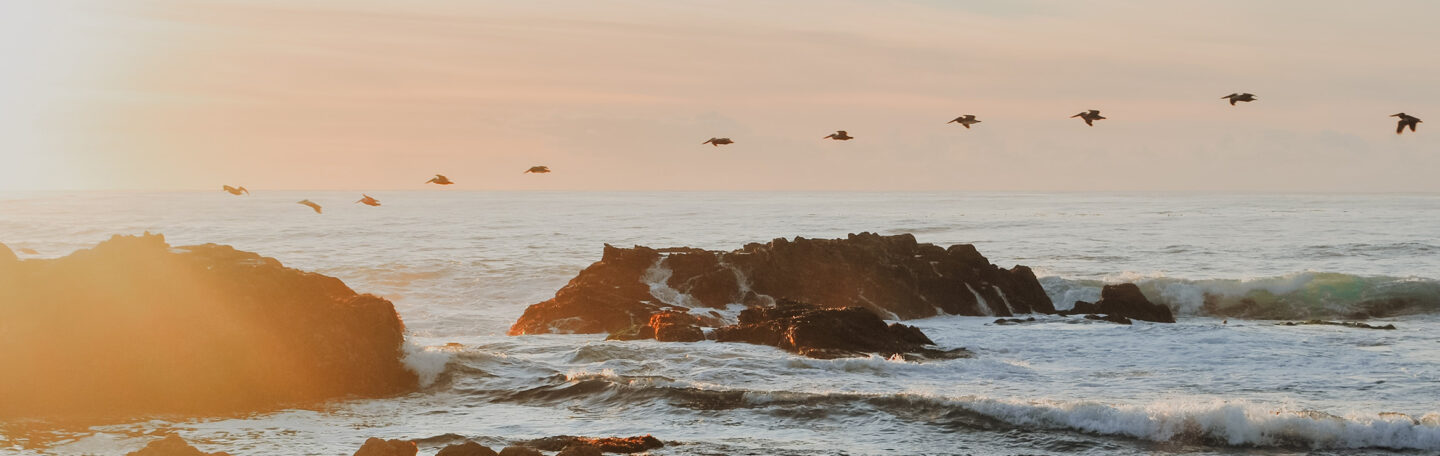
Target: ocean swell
x=1293, y=296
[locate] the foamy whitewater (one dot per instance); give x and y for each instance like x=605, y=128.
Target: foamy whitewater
x=460, y=267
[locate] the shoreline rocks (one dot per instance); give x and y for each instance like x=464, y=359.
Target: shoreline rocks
x=893, y=276
x=172, y=445
x=135, y=327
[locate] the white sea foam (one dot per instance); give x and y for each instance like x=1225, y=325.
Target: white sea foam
x=427, y=362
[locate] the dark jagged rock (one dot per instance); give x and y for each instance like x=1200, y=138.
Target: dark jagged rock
x=134, y=327
x=466, y=449
x=172, y=445
x=1124, y=300
x=666, y=326
x=519, y=451
x=381, y=447
x=893, y=276
x=634, y=444
x=1348, y=324
x=826, y=333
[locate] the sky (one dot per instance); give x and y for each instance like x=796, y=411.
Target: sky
x=619, y=95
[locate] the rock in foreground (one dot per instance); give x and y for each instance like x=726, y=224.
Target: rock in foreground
x=893, y=276
x=381, y=447
x=1124, y=301
x=135, y=327
x=827, y=333
x=172, y=445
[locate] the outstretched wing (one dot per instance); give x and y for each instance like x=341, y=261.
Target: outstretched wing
x=1400, y=128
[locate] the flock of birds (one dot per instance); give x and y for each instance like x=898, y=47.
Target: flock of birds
x=368, y=200
x=1090, y=116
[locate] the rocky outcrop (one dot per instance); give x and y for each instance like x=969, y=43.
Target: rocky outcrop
x=381, y=447
x=634, y=444
x=825, y=332
x=1124, y=300
x=134, y=327
x=466, y=449
x=172, y=445
x=893, y=276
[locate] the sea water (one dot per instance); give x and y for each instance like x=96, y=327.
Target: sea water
x=462, y=266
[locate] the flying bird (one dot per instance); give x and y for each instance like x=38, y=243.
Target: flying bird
x=718, y=141
x=236, y=190
x=1405, y=120
x=312, y=205
x=367, y=200
x=439, y=179
x=840, y=135
x=965, y=120
x=537, y=170
x=1234, y=97
x=1089, y=116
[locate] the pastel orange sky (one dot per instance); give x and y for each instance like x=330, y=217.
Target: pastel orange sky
x=377, y=94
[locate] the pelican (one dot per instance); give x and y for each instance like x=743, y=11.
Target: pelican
x=367, y=200
x=439, y=179
x=1089, y=116
x=1234, y=97
x=718, y=141
x=537, y=170
x=1405, y=120
x=312, y=205
x=965, y=120
x=236, y=190
x=840, y=135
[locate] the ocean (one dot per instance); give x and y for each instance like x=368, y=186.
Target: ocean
x=462, y=266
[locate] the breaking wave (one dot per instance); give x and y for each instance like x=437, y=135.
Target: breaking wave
x=1292, y=296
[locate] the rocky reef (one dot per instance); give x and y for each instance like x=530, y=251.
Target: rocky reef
x=135, y=327
x=172, y=445
x=892, y=276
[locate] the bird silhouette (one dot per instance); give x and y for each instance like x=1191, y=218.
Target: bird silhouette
x=537, y=170
x=1234, y=97
x=1089, y=117
x=367, y=200
x=717, y=142
x=236, y=190
x=1406, y=120
x=439, y=179
x=965, y=120
x=840, y=135
x=312, y=205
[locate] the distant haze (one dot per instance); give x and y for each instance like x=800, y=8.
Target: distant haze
x=382, y=94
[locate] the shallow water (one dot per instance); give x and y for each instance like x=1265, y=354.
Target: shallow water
x=460, y=267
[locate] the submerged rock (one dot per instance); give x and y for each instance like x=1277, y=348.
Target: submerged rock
x=381, y=447
x=580, y=450
x=172, y=445
x=1124, y=301
x=826, y=333
x=466, y=449
x=1348, y=324
x=894, y=276
x=519, y=451
x=1110, y=318
x=634, y=444
x=134, y=327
